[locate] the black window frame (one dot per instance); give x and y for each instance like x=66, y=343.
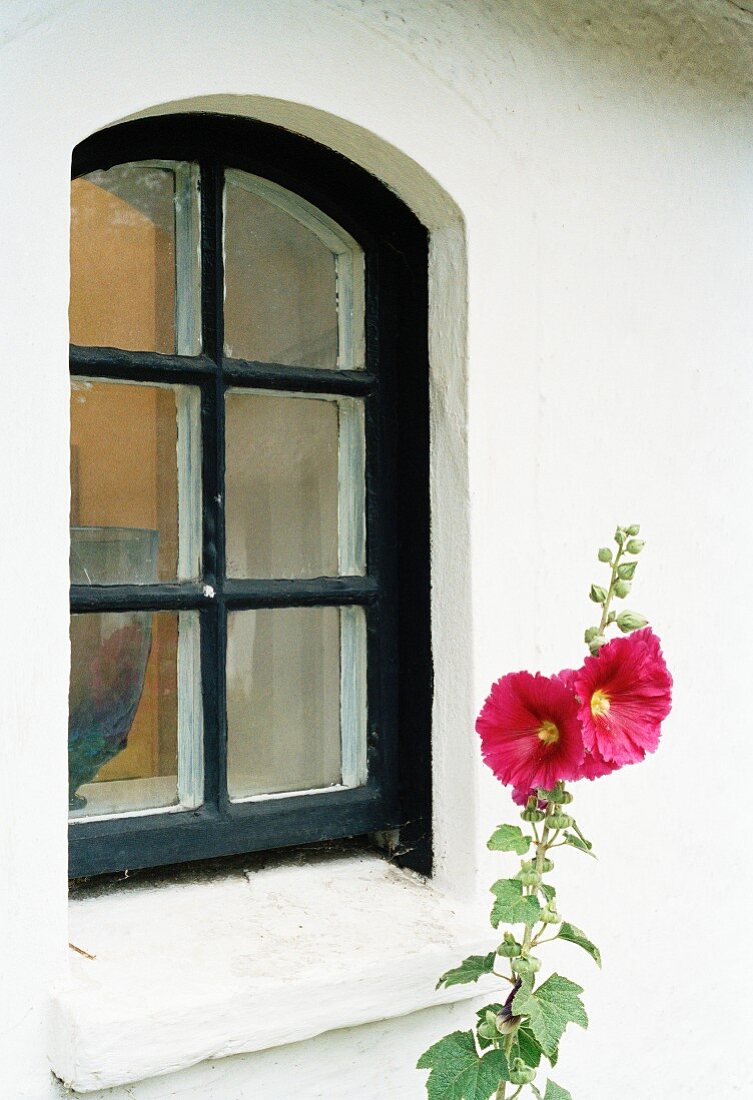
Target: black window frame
x=395, y=591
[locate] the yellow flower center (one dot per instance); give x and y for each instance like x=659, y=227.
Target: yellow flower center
x=599, y=704
x=548, y=733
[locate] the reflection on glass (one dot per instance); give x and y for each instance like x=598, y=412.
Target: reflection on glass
x=280, y=283
x=132, y=228
x=283, y=700
x=133, y=468
x=123, y=712
x=294, y=486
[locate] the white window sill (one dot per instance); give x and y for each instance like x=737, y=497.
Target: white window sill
x=249, y=960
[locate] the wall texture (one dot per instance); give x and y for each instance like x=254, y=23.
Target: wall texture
x=591, y=346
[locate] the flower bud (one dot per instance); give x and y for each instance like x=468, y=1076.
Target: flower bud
x=509, y=948
x=530, y=878
x=605, y=554
x=520, y=1073
x=590, y=634
x=566, y=798
x=547, y=865
x=630, y=620
x=598, y=594
x=622, y=589
x=506, y=1023
x=549, y=915
x=633, y=529
x=635, y=546
x=532, y=814
x=526, y=964
x=619, y=536
x=558, y=794
x=595, y=645
x=559, y=821
x=626, y=571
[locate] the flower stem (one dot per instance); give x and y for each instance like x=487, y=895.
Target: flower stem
x=610, y=592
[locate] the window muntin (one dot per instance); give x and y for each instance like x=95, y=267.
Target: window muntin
x=367, y=385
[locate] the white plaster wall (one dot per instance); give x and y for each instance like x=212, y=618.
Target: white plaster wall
x=601, y=158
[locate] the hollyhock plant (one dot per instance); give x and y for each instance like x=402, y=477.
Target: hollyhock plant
x=537, y=733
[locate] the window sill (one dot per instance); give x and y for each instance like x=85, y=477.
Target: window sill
x=248, y=960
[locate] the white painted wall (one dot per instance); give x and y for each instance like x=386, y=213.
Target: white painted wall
x=600, y=157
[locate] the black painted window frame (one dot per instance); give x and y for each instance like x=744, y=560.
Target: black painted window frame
x=394, y=592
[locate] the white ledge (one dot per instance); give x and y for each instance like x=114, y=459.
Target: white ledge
x=252, y=959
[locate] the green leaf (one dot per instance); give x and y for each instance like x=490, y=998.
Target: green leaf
x=511, y=905
x=459, y=1072
x=470, y=970
x=509, y=838
x=574, y=935
x=626, y=571
x=556, y=1092
x=548, y=891
x=550, y=1009
x=576, y=842
x=528, y=1049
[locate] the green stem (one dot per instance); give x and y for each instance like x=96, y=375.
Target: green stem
x=501, y=1091
x=610, y=592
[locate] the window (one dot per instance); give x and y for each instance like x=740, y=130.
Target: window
x=250, y=640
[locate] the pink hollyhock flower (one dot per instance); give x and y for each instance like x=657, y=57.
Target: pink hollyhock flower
x=625, y=694
x=530, y=733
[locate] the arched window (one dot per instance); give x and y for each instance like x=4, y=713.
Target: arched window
x=250, y=635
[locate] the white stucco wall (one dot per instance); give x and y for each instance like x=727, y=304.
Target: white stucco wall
x=600, y=158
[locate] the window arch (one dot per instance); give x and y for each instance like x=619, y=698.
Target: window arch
x=251, y=661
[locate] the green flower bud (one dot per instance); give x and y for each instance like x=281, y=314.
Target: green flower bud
x=520, y=1073
x=611, y=616
x=622, y=589
x=595, y=645
x=633, y=529
x=558, y=795
x=530, y=878
x=559, y=821
x=547, y=865
x=605, y=554
x=566, y=798
x=619, y=536
x=590, y=634
x=491, y=1018
x=630, y=620
x=549, y=915
x=527, y=964
x=635, y=546
x=598, y=594
x=533, y=814
x=626, y=571
x=486, y=1031
x=509, y=948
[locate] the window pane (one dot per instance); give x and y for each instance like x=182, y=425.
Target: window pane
x=294, y=486
x=280, y=278
x=132, y=228
x=295, y=700
x=135, y=491
x=133, y=712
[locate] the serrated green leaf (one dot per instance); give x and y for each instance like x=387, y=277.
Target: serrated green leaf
x=459, y=1072
x=509, y=838
x=556, y=1092
x=576, y=842
x=511, y=905
x=574, y=935
x=470, y=970
x=549, y=1009
x=528, y=1049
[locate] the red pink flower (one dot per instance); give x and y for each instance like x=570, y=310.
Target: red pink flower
x=536, y=730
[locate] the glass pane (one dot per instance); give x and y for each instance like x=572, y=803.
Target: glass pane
x=127, y=725
x=294, y=485
x=135, y=491
x=287, y=687
x=132, y=228
x=280, y=280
